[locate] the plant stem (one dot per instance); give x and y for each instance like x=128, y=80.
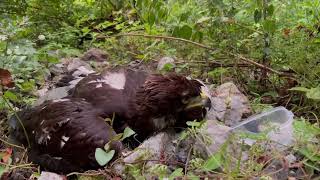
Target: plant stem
x=16, y=115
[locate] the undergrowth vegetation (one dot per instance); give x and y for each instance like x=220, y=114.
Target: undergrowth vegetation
x=269, y=48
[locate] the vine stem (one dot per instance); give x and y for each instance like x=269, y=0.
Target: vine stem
x=16, y=115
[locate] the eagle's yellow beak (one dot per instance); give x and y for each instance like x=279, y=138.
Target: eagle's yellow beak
x=200, y=101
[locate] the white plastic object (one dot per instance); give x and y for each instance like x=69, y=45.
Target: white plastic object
x=277, y=122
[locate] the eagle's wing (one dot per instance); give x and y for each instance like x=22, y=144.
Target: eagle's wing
x=65, y=132
x=110, y=92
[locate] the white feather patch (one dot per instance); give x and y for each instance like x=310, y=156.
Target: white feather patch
x=62, y=143
x=60, y=100
x=65, y=138
x=99, y=85
x=115, y=80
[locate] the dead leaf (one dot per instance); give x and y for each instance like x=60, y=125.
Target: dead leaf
x=7, y=155
x=6, y=78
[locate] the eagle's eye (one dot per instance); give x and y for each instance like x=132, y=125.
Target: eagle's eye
x=185, y=100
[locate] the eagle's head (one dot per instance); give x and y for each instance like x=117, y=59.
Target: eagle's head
x=166, y=101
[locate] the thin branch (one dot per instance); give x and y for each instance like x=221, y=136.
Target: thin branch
x=242, y=58
x=159, y=37
x=10, y=144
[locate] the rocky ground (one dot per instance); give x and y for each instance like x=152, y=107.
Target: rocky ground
x=199, y=142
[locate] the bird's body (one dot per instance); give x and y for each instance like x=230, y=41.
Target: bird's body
x=64, y=134
x=145, y=102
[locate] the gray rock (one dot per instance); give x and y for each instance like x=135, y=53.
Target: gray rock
x=96, y=55
x=76, y=63
x=82, y=71
x=229, y=105
x=53, y=94
x=151, y=148
x=57, y=69
x=218, y=135
x=163, y=61
x=51, y=176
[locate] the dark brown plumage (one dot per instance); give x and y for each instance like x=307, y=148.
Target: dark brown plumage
x=64, y=134
x=148, y=103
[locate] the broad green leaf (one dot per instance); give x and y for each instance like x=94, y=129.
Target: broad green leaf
x=269, y=26
x=302, y=89
x=310, y=154
x=270, y=10
x=127, y=133
x=213, y=162
x=304, y=130
x=176, y=173
x=185, y=32
x=313, y=93
x=85, y=30
x=11, y=96
x=257, y=15
x=103, y=157
x=28, y=86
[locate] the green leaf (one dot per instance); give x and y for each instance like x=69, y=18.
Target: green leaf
x=151, y=18
x=257, y=15
x=3, y=169
x=28, y=86
x=313, y=93
x=302, y=89
x=310, y=154
x=260, y=3
x=270, y=10
x=52, y=60
x=304, y=130
x=127, y=133
x=103, y=157
x=269, y=26
x=184, y=16
x=175, y=31
x=185, y=32
x=213, y=162
x=176, y=173
x=193, y=123
x=11, y=96
x=168, y=67
x=3, y=45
